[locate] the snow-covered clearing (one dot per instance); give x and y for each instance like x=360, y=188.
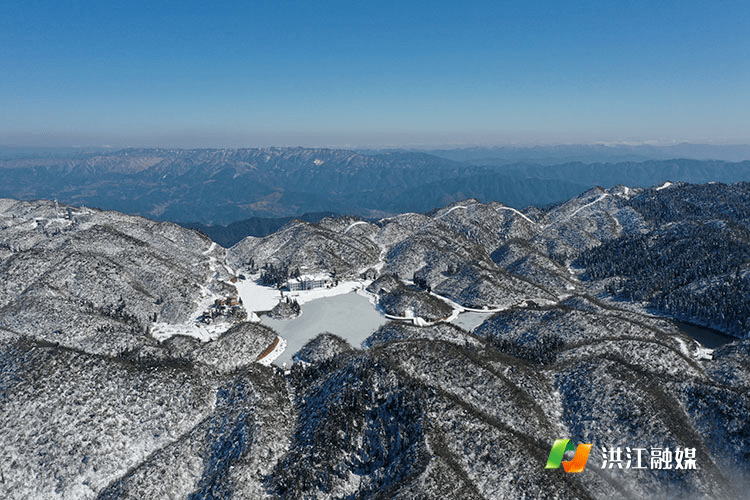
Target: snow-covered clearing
x=470, y=320
x=256, y=297
x=202, y=332
x=664, y=186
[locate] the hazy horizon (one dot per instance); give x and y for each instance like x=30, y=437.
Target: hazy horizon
x=414, y=146
x=395, y=74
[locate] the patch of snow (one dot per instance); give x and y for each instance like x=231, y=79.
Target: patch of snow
x=664, y=186
x=318, y=162
x=683, y=346
x=420, y=321
x=200, y=331
x=573, y=272
x=469, y=320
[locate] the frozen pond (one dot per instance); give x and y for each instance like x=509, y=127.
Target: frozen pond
x=350, y=316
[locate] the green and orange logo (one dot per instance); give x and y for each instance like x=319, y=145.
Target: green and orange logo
x=578, y=462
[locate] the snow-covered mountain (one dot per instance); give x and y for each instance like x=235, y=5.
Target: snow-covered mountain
x=130, y=367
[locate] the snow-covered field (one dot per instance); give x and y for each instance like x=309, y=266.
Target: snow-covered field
x=257, y=297
x=470, y=320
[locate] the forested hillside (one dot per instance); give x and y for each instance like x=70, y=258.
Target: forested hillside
x=130, y=367
x=692, y=263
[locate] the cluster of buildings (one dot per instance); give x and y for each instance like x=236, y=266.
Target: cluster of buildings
x=228, y=308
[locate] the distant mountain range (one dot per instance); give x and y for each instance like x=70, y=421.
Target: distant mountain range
x=219, y=187
x=594, y=153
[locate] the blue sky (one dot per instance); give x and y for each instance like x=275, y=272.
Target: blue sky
x=373, y=73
